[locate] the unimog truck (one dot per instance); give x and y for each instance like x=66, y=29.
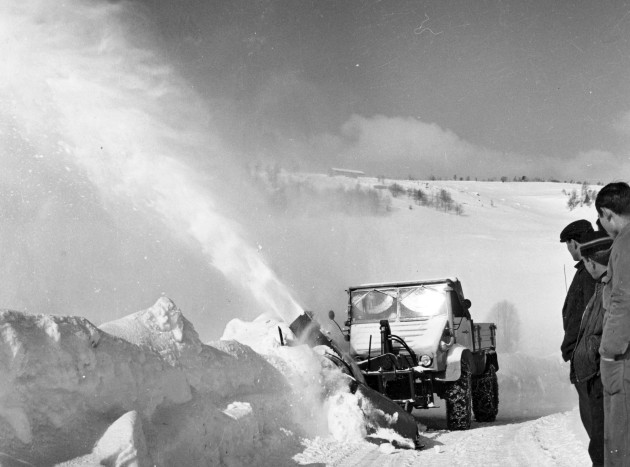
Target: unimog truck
x=414, y=340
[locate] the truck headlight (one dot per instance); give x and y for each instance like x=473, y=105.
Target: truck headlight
x=426, y=361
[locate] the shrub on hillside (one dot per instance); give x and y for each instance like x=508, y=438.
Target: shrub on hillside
x=440, y=200
x=291, y=196
x=586, y=197
x=396, y=190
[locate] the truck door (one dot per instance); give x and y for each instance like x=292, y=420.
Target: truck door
x=462, y=324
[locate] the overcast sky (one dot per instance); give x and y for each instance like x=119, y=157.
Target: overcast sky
x=412, y=87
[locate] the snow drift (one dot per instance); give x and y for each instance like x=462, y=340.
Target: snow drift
x=144, y=390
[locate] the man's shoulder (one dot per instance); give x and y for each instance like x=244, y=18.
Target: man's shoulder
x=622, y=239
x=583, y=279
x=620, y=247
x=581, y=274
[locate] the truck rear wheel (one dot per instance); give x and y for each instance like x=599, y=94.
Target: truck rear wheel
x=458, y=397
x=485, y=393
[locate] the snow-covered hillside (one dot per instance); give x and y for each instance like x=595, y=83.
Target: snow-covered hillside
x=504, y=246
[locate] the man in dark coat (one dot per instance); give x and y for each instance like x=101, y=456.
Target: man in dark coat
x=580, y=292
x=581, y=289
x=595, y=251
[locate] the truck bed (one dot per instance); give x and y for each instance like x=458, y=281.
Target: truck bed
x=484, y=336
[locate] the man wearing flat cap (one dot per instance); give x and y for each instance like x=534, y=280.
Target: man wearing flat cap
x=579, y=293
x=581, y=288
x=595, y=251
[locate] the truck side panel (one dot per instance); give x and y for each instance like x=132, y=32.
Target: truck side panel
x=463, y=332
x=484, y=336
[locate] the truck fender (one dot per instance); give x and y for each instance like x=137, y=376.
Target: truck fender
x=491, y=358
x=453, y=362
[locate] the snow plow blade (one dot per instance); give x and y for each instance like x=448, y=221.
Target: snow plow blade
x=382, y=412
x=379, y=410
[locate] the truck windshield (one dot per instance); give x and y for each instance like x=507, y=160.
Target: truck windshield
x=421, y=301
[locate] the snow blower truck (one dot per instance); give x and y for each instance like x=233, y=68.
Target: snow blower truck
x=414, y=340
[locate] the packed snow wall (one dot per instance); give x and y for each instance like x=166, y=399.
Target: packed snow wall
x=145, y=389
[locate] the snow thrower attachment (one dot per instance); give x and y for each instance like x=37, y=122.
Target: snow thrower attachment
x=412, y=340
x=379, y=410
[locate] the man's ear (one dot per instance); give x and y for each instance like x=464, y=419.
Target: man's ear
x=588, y=264
x=607, y=214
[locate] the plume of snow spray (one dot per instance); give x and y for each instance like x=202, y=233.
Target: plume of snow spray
x=72, y=75
x=75, y=72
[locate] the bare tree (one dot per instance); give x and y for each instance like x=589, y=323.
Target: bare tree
x=505, y=316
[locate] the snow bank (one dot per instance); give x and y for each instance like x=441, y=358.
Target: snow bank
x=323, y=403
x=144, y=390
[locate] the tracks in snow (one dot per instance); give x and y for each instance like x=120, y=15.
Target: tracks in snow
x=547, y=441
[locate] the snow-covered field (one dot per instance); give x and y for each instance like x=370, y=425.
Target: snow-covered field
x=145, y=389
x=505, y=246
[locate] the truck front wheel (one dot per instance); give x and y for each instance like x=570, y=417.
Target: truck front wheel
x=458, y=397
x=486, y=395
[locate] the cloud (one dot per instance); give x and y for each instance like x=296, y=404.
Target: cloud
x=622, y=124
x=402, y=146
x=597, y=166
x=380, y=136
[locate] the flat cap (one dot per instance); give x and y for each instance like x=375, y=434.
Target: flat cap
x=592, y=242
x=574, y=230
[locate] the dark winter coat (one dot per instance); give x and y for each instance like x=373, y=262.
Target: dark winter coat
x=616, y=334
x=585, y=360
x=580, y=292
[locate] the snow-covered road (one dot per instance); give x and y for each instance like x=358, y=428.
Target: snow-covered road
x=552, y=440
